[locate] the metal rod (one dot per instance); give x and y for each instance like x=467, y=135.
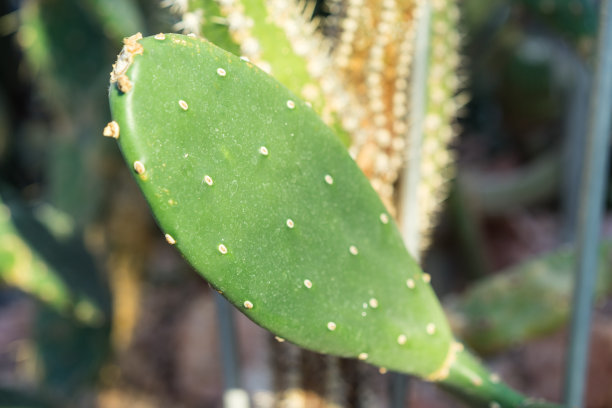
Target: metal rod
x=594, y=172
x=399, y=384
x=233, y=395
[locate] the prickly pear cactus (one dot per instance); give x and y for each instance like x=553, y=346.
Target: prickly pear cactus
x=265, y=202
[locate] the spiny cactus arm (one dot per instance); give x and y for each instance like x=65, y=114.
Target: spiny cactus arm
x=203, y=18
x=265, y=202
x=373, y=57
x=430, y=159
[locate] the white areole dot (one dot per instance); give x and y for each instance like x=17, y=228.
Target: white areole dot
x=290, y=223
x=290, y=104
x=183, y=105
x=221, y=72
x=248, y=304
x=170, y=239
x=331, y=326
x=384, y=218
x=373, y=303
x=329, y=179
x=222, y=249
x=363, y=356
x=263, y=150
x=307, y=283
x=208, y=180
x=139, y=167
x=410, y=283
x=431, y=328
x=353, y=250
x=401, y=339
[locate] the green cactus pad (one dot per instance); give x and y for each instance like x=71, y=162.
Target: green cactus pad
x=265, y=202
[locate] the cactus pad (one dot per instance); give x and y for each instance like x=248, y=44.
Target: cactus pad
x=264, y=201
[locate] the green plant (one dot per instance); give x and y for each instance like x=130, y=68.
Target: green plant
x=262, y=198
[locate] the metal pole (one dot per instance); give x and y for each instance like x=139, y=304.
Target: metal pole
x=233, y=395
x=594, y=172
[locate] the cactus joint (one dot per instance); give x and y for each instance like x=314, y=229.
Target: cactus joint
x=444, y=370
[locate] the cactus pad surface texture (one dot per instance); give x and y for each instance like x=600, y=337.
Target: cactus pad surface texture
x=266, y=203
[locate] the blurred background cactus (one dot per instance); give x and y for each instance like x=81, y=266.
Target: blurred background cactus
x=466, y=116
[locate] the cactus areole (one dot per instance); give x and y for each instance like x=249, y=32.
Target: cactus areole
x=265, y=202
